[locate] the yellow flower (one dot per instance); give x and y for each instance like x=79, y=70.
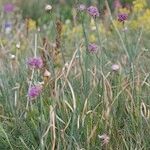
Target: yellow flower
x=64, y=29
x=102, y=29
x=139, y=5
x=124, y=10
x=117, y=24
x=92, y=38
x=31, y=24
x=144, y=20
x=77, y=29
x=133, y=24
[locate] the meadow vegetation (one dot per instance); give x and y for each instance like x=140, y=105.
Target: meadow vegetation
x=75, y=75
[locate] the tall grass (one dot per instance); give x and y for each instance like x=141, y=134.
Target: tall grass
x=83, y=98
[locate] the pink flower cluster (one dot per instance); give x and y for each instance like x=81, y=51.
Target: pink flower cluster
x=34, y=91
x=93, y=11
x=92, y=48
x=8, y=7
x=35, y=63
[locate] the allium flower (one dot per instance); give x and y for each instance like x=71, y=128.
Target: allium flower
x=34, y=91
x=105, y=139
x=8, y=7
x=35, y=63
x=93, y=48
x=122, y=17
x=81, y=7
x=115, y=67
x=93, y=11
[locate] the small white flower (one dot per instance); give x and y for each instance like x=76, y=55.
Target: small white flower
x=18, y=45
x=125, y=29
x=8, y=30
x=115, y=67
x=12, y=56
x=48, y=7
x=93, y=28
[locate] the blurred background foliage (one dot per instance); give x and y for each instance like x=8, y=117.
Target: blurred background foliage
x=33, y=9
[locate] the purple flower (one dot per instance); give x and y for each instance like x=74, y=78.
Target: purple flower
x=93, y=48
x=8, y=25
x=35, y=63
x=122, y=17
x=8, y=7
x=93, y=11
x=81, y=7
x=34, y=91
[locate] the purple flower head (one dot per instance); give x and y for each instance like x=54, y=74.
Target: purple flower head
x=8, y=25
x=93, y=48
x=35, y=63
x=81, y=7
x=122, y=17
x=93, y=11
x=34, y=91
x=8, y=7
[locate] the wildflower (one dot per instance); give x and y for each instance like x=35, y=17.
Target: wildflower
x=8, y=27
x=35, y=63
x=47, y=73
x=122, y=17
x=93, y=48
x=139, y=5
x=117, y=4
x=8, y=7
x=115, y=67
x=93, y=11
x=12, y=56
x=81, y=7
x=31, y=24
x=34, y=91
x=125, y=29
x=48, y=8
x=105, y=139
x=18, y=45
